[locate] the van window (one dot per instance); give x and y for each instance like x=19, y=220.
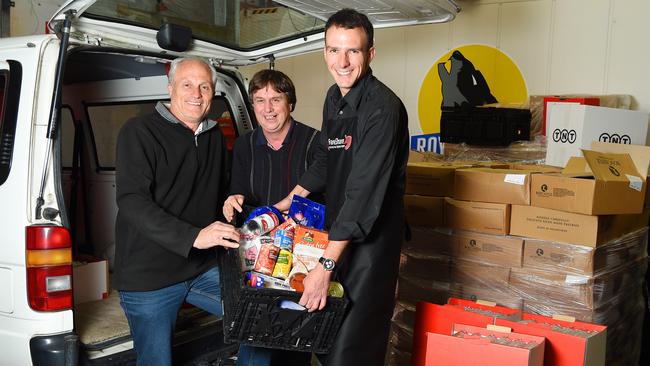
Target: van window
x=66, y=124
x=236, y=24
x=10, y=81
x=106, y=120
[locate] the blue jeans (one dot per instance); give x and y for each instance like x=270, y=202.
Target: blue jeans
x=254, y=356
x=152, y=314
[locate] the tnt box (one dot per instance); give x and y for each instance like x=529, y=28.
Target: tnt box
x=564, y=349
x=90, y=279
x=474, y=348
x=573, y=127
x=554, y=100
x=614, y=186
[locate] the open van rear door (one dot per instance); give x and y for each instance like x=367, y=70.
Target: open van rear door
x=234, y=32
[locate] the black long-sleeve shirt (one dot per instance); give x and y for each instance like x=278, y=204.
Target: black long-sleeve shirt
x=170, y=184
x=265, y=176
x=380, y=152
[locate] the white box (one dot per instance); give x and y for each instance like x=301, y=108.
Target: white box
x=89, y=279
x=575, y=126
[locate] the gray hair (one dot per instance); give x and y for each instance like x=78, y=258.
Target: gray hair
x=178, y=61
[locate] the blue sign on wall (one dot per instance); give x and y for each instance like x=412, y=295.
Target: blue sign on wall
x=426, y=142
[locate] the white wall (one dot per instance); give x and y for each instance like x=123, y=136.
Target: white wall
x=560, y=46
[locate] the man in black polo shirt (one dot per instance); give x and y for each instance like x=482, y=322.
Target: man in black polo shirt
x=360, y=164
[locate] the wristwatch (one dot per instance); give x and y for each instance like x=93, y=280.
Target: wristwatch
x=327, y=263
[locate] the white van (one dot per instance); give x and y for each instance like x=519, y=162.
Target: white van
x=63, y=99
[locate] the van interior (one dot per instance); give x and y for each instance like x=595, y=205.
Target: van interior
x=102, y=89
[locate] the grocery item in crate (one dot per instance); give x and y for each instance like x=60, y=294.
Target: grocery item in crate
x=260, y=224
x=267, y=256
x=309, y=245
x=265, y=209
x=296, y=282
x=248, y=251
x=283, y=234
x=307, y=213
x=259, y=280
x=283, y=264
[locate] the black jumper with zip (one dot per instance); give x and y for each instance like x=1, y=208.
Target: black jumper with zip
x=171, y=183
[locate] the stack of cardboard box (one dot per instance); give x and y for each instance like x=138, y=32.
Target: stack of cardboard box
x=530, y=238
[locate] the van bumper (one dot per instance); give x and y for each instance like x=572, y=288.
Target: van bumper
x=59, y=350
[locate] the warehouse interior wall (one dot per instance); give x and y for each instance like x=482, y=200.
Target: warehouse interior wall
x=560, y=46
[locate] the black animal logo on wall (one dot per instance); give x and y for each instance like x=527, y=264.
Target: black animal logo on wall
x=463, y=85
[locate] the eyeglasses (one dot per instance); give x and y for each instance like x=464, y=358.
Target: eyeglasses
x=275, y=101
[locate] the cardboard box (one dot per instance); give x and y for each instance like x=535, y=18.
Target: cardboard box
x=431, y=178
x=553, y=100
x=490, y=218
x=536, y=168
x=479, y=274
x=501, y=295
x=492, y=185
x=440, y=319
x=89, y=279
x=564, y=349
x=424, y=266
x=639, y=154
x=473, y=348
x=576, y=290
x=585, y=260
x=501, y=250
x=413, y=289
x=567, y=227
x=424, y=211
x=486, y=307
x=573, y=127
x=615, y=186
x=428, y=241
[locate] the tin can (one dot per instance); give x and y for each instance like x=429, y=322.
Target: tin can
x=283, y=264
x=267, y=257
x=284, y=239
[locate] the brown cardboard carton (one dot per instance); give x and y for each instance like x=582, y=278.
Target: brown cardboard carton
x=615, y=186
x=431, y=241
x=491, y=218
x=424, y=211
x=576, y=290
x=585, y=260
x=423, y=266
x=640, y=155
x=501, y=250
x=501, y=295
x=537, y=168
x=479, y=274
x=493, y=185
x=430, y=178
x=567, y=227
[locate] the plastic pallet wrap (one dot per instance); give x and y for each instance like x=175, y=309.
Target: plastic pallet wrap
x=500, y=295
x=433, y=267
x=576, y=290
x=528, y=152
x=415, y=289
x=256, y=316
x=398, y=358
x=428, y=241
x=585, y=260
x=401, y=336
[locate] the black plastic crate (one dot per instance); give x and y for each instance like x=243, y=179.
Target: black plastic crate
x=487, y=126
x=253, y=315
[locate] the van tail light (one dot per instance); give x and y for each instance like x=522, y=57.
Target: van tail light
x=49, y=268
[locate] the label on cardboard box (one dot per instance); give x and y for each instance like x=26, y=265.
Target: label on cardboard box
x=519, y=179
x=576, y=280
x=636, y=183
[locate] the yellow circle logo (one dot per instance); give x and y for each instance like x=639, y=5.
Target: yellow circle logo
x=471, y=75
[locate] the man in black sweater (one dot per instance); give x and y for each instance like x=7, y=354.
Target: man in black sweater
x=171, y=183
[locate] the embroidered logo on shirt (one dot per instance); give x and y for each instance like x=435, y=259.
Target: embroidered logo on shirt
x=339, y=143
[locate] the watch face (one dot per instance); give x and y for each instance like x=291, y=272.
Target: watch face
x=329, y=264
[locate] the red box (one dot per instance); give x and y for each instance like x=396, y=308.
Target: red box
x=449, y=350
x=564, y=349
x=440, y=319
x=586, y=101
